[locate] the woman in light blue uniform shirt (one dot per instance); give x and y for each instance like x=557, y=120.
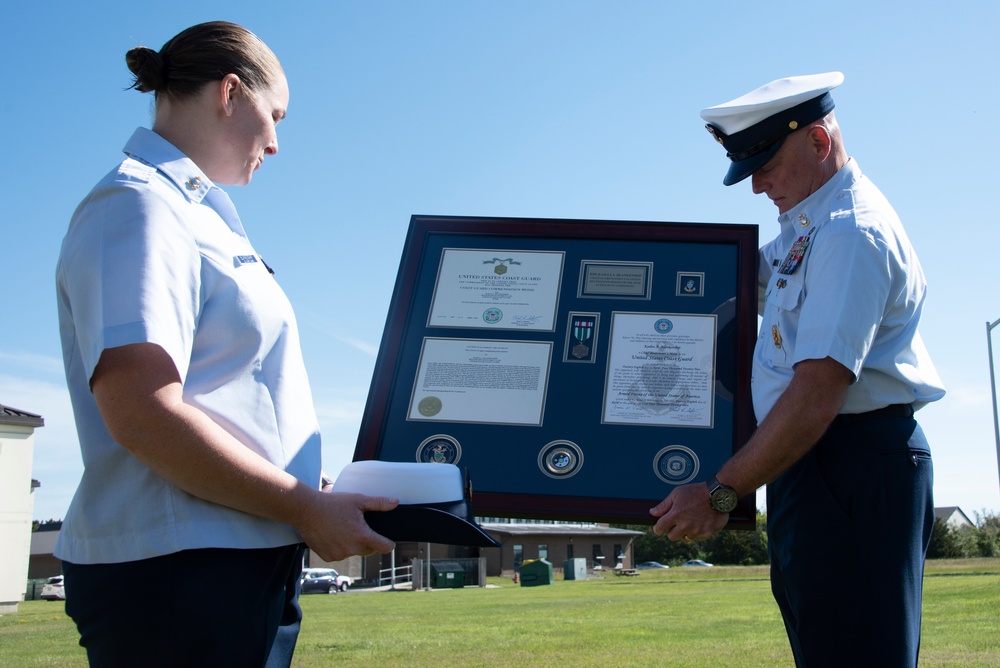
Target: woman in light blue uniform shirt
x=199, y=439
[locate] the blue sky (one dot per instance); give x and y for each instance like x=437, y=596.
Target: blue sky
x=538, y=109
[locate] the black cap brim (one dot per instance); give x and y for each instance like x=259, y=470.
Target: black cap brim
x=432, y=523
x=744, y=168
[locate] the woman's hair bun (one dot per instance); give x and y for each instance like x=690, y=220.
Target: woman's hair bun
x=201, y=54
x=149, y=69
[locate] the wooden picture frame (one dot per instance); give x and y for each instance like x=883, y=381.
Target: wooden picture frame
x=578, y=369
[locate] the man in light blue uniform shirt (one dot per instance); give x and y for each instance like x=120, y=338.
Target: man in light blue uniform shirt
x=838, y=370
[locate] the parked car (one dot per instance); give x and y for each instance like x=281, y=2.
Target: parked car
x=53, y=590
x=323, y=581
x=649, y=564
x=696, y=562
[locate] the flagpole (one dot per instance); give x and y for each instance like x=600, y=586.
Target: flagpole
x=993, y=388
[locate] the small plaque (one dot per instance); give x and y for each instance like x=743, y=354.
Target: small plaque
x=690, y=284
x=615, y=280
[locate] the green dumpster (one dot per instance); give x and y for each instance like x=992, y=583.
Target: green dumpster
x=536, y=572
x=447, y=575
x=575, y=569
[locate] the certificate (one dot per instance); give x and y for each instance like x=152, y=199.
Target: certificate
x=496, y=289
x=481, y=380
x=661, y=370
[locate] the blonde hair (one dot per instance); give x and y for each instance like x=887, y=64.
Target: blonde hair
x=200, y=54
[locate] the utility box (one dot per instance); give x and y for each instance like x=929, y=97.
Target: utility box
x=575, y=569
x=447, y=575
x=536, y=572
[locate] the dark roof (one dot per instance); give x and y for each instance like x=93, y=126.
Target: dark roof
x=945, y=513
x=13, y=416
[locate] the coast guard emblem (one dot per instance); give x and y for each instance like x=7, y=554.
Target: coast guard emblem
x=492, y=315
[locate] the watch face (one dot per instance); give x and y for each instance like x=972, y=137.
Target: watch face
x=724, y=499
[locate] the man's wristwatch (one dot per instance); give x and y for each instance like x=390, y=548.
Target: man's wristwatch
x=722, y=499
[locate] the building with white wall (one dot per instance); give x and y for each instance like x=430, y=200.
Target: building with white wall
x=17, y=500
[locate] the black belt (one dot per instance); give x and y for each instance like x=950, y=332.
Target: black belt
x=891, y=411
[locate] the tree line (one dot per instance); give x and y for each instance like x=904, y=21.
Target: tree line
x=748, y=548
x=981, y=540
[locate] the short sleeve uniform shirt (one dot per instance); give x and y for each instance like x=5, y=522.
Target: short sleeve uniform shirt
x=148, y=259
x=841, y=280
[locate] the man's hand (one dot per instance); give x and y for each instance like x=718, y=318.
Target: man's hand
x=687, y=515
x=799, y=417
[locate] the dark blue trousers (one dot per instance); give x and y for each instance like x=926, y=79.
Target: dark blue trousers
x=848, y=529
x=210, y=607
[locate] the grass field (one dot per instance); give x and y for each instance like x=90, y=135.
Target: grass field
x=682, y=617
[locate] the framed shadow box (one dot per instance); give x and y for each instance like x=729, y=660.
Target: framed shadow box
x=578, y=369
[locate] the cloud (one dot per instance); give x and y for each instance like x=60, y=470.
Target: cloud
x=21, y=362
x=320, y=322
x=366, y=347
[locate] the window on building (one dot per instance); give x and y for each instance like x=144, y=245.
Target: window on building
x=518, y=555
x=598, y=556
x=569, y=551
x=543, y=551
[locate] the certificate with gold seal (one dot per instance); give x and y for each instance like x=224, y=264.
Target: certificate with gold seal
x=481, y=380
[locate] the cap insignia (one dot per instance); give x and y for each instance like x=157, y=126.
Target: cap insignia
x=793, y=125
x=714, y=133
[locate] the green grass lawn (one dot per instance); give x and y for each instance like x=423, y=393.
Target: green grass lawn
x=681, y=617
